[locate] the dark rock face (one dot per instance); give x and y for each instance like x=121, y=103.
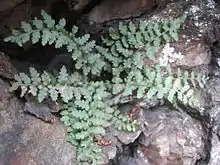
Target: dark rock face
x=26, y=140
x=5, y=4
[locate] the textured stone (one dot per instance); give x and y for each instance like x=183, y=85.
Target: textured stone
x=13, y=19
x=214, y=153
x=171, y=137
x=195, y=52
x=7, y=70
x=26, y=140
x=118, y=9
x=184, y=52
x=214, y=111
x=77, y=4
x=127, y=137
x=8, y=4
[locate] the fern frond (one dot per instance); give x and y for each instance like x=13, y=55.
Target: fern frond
x=143, y=38
x=46, y=31
x=46, y=85
x=152, y=83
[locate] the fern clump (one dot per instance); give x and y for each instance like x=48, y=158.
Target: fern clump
x=90, y=106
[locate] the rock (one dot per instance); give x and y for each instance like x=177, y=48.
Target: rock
x=125, y=160
x=127, y=137
x=110, y=151
x=40, y=111
x=171, y=137
x=214, y=153
x=8, y=4
x=13, y=19
x=130, y=157
x=5, y=97
x=43, y=110
x=117, y=139
x=77, y=4
x=7, y=70
x=37, y=6
x=214, y=89
x=184, y=52
x=118, y=9
x=25, y=139
x=214, y=111
x=195, y=52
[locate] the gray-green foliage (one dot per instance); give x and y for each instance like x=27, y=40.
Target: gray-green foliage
x=90, y=106
x=139, y=40
x=86, y=111
x=130, y=46
x=48, y=32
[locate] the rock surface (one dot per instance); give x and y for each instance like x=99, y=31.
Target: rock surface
x=195, y=52
x=169, y=138
x=215, y=156
x=118, y=9
x=77, y=4
x=8, y=4
x=7, y=70
x=26, y=140
x=12, y=12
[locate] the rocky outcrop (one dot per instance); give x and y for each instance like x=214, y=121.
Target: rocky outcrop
x=167, y=136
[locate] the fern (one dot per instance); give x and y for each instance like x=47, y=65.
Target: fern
x=89, y=106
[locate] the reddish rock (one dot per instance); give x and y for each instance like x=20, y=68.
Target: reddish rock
x=171, y=138
x=195, y=51
x=118, y=9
